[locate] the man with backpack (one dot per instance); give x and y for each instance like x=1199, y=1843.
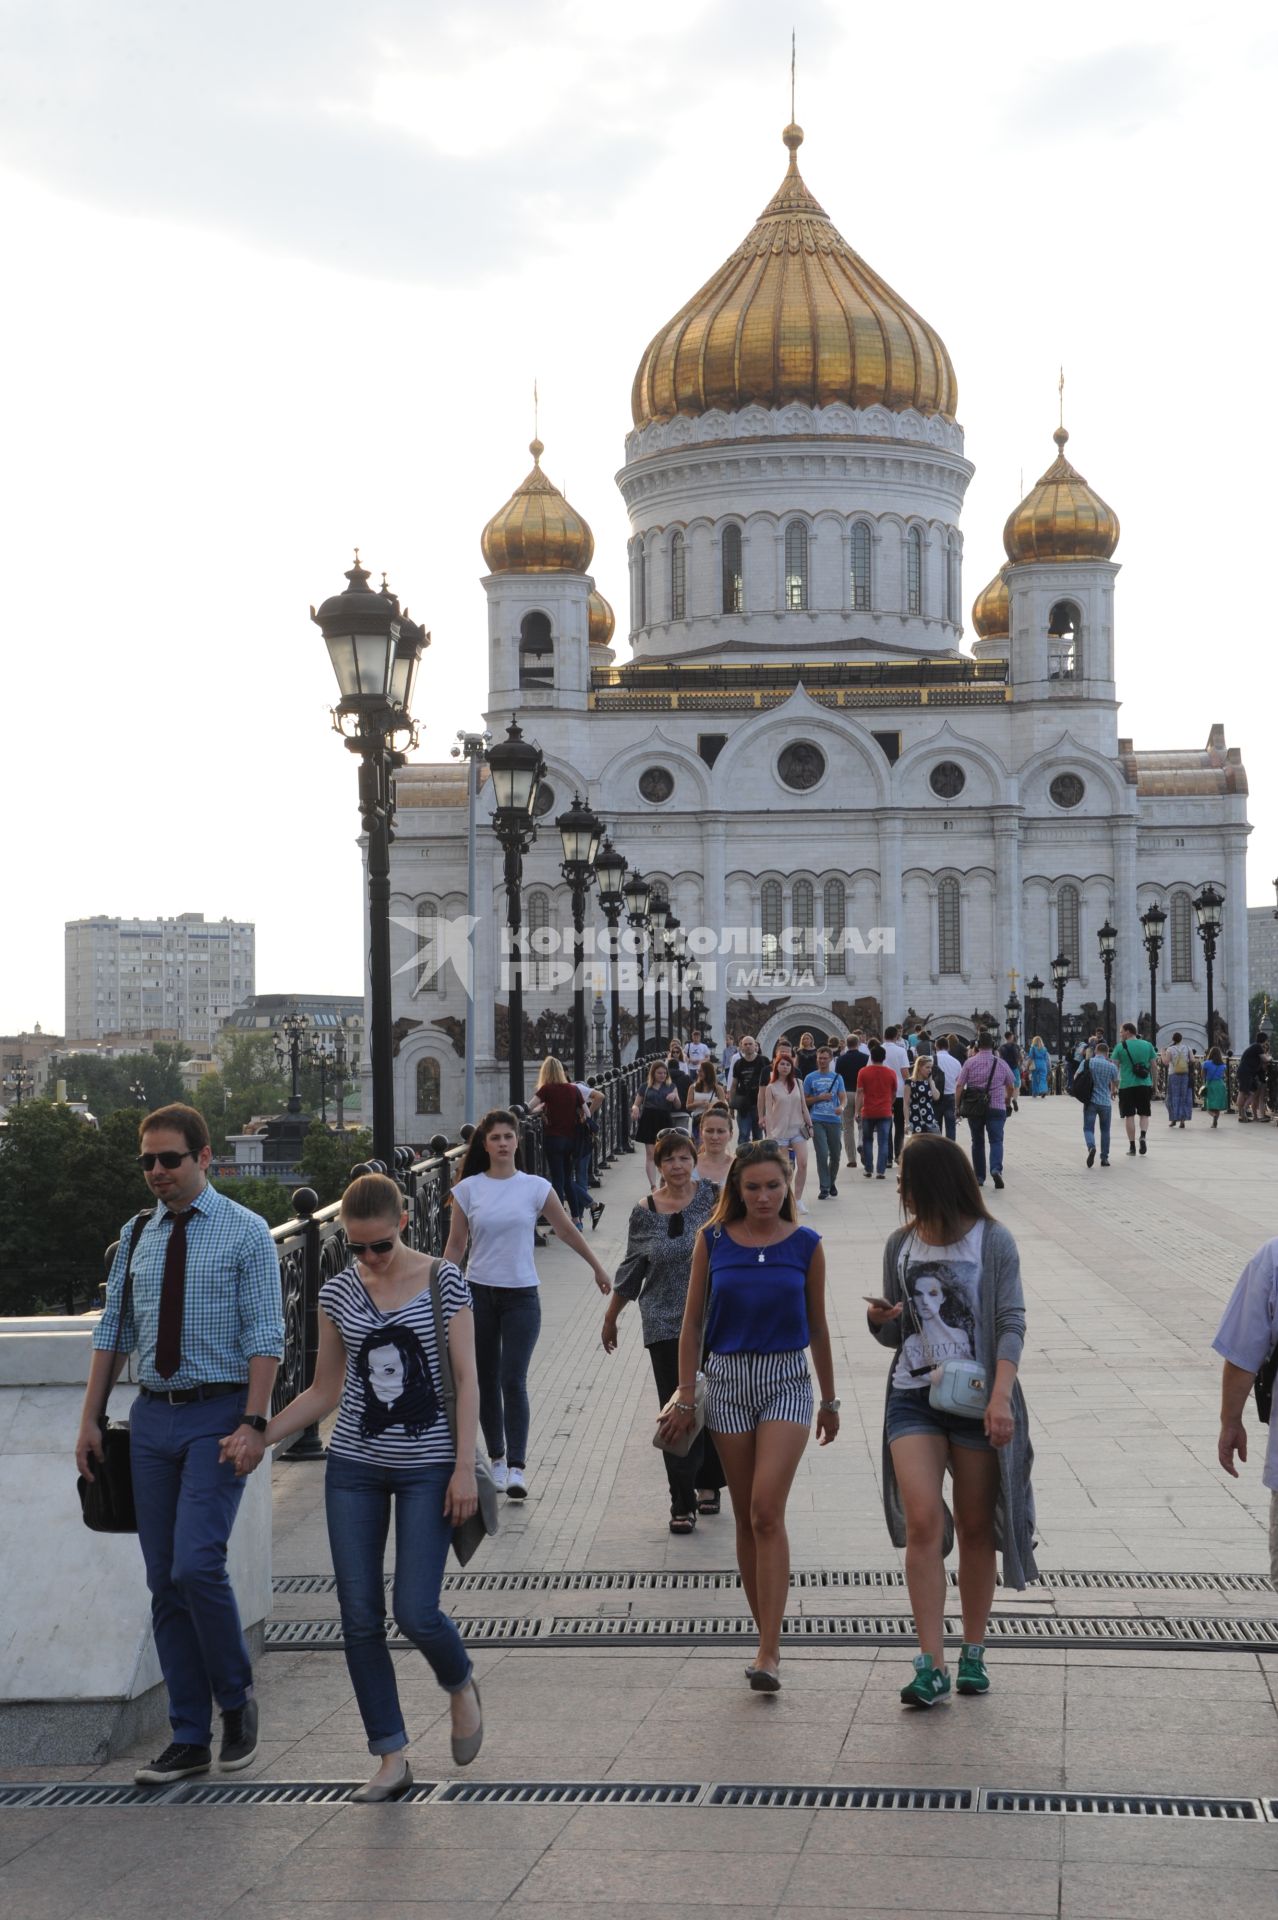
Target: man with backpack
x=1247, y=1342
x=1134, y=1059
x=1094, y=1085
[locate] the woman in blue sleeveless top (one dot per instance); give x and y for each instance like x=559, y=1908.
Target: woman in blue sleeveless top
x=764, y=1276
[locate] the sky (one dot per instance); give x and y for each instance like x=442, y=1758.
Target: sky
x=282, y=274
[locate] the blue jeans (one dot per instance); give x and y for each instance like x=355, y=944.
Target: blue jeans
x=991, y=1128
x=876, y=1133
x=749, y=1126
x=507, y=1322
x=561, y=1164
x=945, y=1114
x=827, y=1138
x=186, y=1505
x=357, y=1503
x=1093, y=1113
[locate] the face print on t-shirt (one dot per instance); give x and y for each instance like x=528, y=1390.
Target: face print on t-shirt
x=398, y=1390
x=940, y=1316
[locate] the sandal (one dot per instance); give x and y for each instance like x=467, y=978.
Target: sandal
x=682, y=1522
x=709, y=1500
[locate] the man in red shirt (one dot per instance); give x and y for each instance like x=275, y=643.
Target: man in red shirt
x=875, y=1094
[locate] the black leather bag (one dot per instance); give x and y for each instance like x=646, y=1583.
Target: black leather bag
x=106, y=1501
x=471, y=1534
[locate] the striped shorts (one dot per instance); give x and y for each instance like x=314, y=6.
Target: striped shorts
x=744, y=1389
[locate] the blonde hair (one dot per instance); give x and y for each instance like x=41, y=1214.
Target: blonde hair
x=731, y=1204
x=552, y=1072
x=652, y=1072
x=922, y=1068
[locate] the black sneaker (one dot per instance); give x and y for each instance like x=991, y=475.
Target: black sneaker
x=834, y=1193
x=1091, y=1156
x=180, y=1761
x=239, y=1737
x=1131, y=1149
x=997, y=1178
x=1143, y=1147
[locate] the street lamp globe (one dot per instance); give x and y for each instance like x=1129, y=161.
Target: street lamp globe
x=360, y=630
x=580, y=830
x=659, y=912
x=637, y=894
x=1060, y=970
x=516, y=769
x=1108, y=938
x=610, y=872
x=1207, y=910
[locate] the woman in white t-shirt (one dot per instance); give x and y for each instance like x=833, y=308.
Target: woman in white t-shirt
x=392, y=1447
x=497, y=1205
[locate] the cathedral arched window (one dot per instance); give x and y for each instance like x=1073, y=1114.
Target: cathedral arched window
x=678, y=578
x=1182, y=938
x=861, y=600
x=803, y=917
x=1067, y=934
x=733, y=580
x=796, y=566
x=770, y=911
x=537, y=967
x=949, y=926
x=428, y=1086
x=836, y=912
x=641, y=586
x=430, y=959
x=914, y=570
x=952, y=581
x=536, y=651
x=1064, y=627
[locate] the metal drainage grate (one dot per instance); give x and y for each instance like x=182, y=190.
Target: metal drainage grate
x=852, y=1799
x=803, y=1579
x=268, y=1793
x=327, y=1634
x=1162, y=1806
x=83, y=1793
x=575, y=1793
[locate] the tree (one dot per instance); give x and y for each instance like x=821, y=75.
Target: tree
x=271, y=1198
x=66, y=1188
x=251, y=1077
x=327, y=1159
x=210, y=1099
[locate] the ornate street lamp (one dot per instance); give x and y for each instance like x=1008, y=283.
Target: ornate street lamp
x=681, y=961
x=674, y=928
x=610, y=872
x=1107, y=937
x=637, y=894
x=659, y=916
x=375, y=650
x=1012, y=1008
x=291, y=1051
x=1060, y=974
x=517, y=770
x=1207, y=912
x=137, y=1093
x=1034, y=993
x=320, y=1056
x=19, y=1084
x=1153, y=920
x=580, y=830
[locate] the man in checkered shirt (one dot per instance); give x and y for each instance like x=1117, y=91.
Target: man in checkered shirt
x=205, y=1320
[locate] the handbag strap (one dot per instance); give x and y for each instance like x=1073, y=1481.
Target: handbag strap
x=126, y=1297
x=446, y=1383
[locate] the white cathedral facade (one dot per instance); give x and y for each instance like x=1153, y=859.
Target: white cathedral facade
x=861, y=816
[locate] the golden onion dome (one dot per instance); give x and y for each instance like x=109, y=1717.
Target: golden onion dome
x=537, y=531
x=992, y=610
x=602, y=620
x=794, y=315
x=1061, y=518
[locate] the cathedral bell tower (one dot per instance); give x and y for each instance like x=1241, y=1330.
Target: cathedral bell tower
x=1058, y=587
x=547, y=626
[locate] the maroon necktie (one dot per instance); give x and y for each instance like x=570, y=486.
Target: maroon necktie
x=168, y=1338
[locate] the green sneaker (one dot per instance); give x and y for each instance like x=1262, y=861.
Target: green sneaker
x=972, y=1677
x=929, y=1684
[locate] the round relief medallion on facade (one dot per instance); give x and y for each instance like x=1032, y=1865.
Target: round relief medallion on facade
x=656, y=784
x=545, y=801
x=1067, y=790
x=947, y=780
x=800, y=765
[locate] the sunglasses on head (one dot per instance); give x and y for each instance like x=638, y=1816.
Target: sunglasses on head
x=770, y=1147
x=169, y=1161
x=358, y=1247
x=675, y=1133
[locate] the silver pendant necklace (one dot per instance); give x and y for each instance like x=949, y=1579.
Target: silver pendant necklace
x=760, y=1256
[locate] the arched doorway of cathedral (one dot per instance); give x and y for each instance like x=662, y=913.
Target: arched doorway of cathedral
x=792, y=1021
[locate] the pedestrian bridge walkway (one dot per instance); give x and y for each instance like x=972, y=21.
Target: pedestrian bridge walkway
x=1125, y=1763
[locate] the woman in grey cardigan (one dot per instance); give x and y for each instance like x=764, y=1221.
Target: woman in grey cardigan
x=952, y=1290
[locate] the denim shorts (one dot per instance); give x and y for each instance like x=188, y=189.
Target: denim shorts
x=909, y=1410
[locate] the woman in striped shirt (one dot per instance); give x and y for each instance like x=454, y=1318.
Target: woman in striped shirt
x=392, y=1448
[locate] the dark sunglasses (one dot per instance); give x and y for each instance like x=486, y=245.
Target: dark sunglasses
x=169, y=1161
x=370, y=1246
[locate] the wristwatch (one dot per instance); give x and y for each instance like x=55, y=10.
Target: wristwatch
x=831, y=1406
x=256, y=1421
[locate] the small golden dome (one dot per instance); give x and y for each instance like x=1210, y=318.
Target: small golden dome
x=537, y=531
x=1061, y=518
x=992, y=610
x=794, y=315
x=602, y=620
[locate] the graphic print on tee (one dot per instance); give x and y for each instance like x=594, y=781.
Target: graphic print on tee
x=398, y=1391
x=942, y=1323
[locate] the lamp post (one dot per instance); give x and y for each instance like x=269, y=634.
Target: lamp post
x=610, y=872
x=375, y=650
x=637, y=894
x=580, y=830
x=1034, y=993
x=599, y=1019
x=1107, y=938
x=137, y=1093
x=1060, y=974
x=517, y=770
x=669, y=942
x=681, y=961
x=340, y=1064
x=1207, y=912
x=696, y=1006
x=1153, y=920
x=290, y=1051
x=320, y=1057
x=659, y=918
x=473, y=747
x=1012, y=1008
x=20, y=1083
